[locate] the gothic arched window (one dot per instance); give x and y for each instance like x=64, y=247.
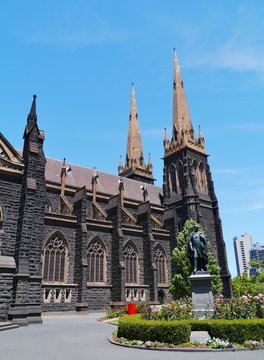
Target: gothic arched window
x=96, y=259
x=131, y=264
x=55, y=260
x=161, y=264
x=172, y=179
x=203, y=179
x=196, y=173
x=179, y=176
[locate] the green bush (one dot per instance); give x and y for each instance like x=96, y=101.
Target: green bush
x=176, y=310
x=113, y=313
x=237, y=331
x=244, y=307
x=132, y=327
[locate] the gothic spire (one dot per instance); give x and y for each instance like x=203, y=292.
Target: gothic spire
x=181, y=115
x=134, y=143
x=135, y=166
x=182, y=128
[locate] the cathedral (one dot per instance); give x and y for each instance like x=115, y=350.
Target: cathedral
x=77, y=239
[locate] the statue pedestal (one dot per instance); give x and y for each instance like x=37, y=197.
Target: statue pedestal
x=202, y=297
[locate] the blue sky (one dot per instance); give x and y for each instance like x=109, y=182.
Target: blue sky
x=80, y=58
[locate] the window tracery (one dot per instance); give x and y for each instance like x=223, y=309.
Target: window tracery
x=96, y=259
x=55, y=260
x=161, y=264
x=131, y=264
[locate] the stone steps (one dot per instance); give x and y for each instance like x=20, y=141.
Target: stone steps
x=7, y=326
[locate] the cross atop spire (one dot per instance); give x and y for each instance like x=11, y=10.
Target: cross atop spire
x=135, y=166
x=182, y=128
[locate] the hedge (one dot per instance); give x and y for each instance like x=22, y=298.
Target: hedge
x=132, y=327
x=233, y=330
x=178, y=332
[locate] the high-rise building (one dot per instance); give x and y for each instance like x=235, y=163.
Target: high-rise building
x=242, y=247
x=256, y=253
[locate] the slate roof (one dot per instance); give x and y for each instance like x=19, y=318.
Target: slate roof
x=106, y=183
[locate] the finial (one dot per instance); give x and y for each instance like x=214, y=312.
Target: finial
x=95, y=174
x=121, y=190
x=200, y=132
x=149, y=163
x=165, y=134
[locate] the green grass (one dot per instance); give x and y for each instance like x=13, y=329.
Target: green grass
x=113, y=322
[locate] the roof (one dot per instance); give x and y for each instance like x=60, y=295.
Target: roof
x=106, y=183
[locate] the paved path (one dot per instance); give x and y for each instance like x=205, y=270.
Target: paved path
x=81, y=337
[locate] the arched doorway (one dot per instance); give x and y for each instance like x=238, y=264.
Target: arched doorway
x=161, y=297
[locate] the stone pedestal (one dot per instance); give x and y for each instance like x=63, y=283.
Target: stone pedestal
x=202, y=297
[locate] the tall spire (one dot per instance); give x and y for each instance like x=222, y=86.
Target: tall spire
x=134, y=143
x=182, y=128
x=135, y=166
x=181, y=115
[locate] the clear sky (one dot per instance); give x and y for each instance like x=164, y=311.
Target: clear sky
x=80, y=58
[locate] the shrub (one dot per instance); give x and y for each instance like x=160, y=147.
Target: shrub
x=176, y=310
x=143, y=308
x=237, y=331
x=113, y=313
x=134, y=328
x=245, y=307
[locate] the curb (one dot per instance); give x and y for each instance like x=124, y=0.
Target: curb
x=180, y=349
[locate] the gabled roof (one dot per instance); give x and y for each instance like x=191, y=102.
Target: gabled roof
x=106, y=183
x=10, y=159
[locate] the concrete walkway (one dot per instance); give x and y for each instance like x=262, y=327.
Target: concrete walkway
x=81, y=337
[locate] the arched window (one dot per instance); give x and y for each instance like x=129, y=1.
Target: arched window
x=203, y=179
x=131, y=264
x=96, y=259
x=161, y=264
x=172, y=179
x=196, y=174
x=55, y=259
x=179, y=176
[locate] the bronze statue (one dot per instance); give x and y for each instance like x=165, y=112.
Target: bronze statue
x=197, y=250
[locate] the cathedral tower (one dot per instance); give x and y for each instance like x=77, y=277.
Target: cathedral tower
x=135, y=166
x=187, y=180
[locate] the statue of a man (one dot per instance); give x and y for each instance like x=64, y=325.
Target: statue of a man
x=197, y=250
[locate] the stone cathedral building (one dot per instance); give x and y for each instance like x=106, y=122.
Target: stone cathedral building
x=73, y=238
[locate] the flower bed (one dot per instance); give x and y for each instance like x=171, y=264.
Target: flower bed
x=244, y=307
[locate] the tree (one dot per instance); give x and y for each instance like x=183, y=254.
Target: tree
x=243, y=285
x=180, y=286
x=249, y=285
